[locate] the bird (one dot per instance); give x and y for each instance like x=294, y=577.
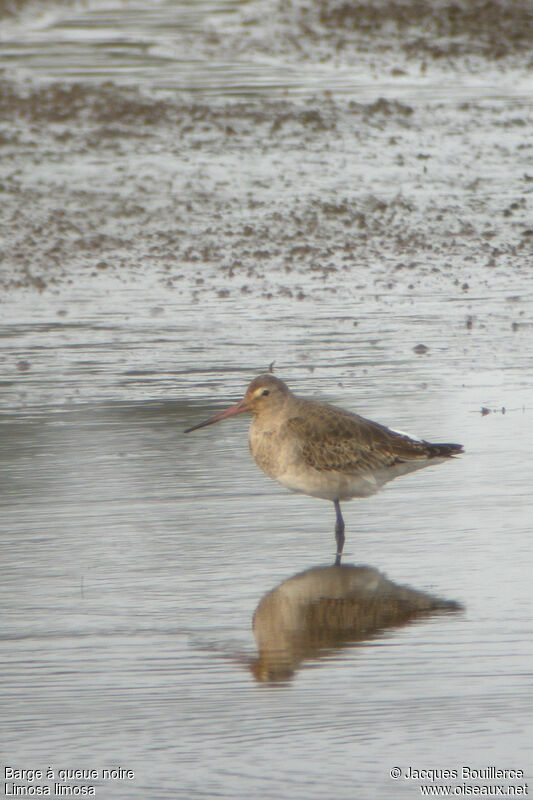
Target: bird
x=318, y=449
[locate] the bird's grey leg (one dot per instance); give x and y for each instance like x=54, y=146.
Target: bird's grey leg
x=339, y=533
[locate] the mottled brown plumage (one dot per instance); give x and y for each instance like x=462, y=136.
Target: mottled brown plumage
x=325, y=451
x=339, y=440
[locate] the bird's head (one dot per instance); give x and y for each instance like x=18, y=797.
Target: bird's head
x=265, y=394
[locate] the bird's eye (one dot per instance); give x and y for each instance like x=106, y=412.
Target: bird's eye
x=265, y=392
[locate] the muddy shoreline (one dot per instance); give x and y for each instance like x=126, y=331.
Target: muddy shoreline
x=218, y=197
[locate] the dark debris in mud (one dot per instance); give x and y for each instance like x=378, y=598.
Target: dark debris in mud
x=270, y=198
x=434, y=31
x=12, y=8
x=101, y=104
x=439, y=29
x=114, y=110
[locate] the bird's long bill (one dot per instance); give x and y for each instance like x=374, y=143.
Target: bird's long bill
x=238, y=408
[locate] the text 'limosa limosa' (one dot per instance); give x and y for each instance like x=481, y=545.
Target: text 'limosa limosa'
x=323, y=451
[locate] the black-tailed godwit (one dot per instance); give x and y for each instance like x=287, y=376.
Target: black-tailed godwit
x=324, y=451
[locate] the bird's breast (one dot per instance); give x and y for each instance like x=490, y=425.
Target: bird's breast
x=268, y=449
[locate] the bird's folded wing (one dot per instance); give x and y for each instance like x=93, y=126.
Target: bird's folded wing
x=345, y=442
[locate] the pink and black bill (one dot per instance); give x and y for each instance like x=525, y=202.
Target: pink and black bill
x=238, y=408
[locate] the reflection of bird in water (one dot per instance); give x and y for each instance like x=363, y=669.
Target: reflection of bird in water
x=324, y=451
x=327, y=608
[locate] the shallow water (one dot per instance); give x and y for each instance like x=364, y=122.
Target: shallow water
x=134, y=557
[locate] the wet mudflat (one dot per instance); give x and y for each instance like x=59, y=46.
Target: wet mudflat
x=165, y=236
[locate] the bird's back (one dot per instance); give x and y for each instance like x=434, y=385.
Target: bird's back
x=334, y=439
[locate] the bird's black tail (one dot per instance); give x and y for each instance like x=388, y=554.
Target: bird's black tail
x=444, y=450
